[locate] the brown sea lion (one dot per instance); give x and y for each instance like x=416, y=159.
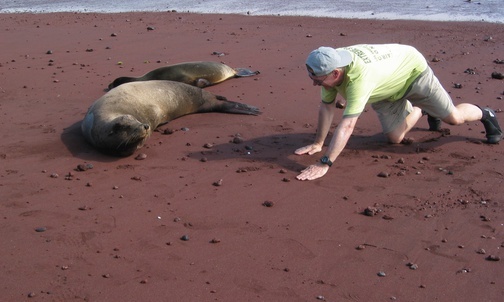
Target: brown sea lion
x=199, y=74
x=121, y=120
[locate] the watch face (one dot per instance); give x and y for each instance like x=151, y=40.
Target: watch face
x=325, y=160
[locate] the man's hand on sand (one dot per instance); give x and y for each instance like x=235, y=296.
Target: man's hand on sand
x=313, y=172
x=310, y=149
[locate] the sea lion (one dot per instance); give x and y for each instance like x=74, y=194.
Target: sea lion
x=121, y=120
x=199, y=74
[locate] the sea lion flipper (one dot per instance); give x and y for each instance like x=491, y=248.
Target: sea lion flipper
x=240, y=108
x=244, y=72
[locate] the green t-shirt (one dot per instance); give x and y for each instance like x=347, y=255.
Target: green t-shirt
x=377, y=73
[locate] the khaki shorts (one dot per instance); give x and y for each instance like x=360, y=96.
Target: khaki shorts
x=425, y=92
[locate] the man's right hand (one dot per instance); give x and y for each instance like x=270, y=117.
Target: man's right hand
x=310, y=149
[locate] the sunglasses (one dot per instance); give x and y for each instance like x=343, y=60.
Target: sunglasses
x=317, y=82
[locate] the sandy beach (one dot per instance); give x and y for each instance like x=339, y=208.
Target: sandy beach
x=113, y=232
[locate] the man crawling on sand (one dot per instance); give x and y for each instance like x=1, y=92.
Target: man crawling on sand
x=400, y=86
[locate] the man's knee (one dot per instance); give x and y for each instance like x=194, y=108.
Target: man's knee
x=395, y=138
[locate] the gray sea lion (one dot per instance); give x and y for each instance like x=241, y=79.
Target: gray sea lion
x=199, y=74
x=121, y=120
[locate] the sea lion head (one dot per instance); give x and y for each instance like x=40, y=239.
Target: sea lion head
x=123, y=135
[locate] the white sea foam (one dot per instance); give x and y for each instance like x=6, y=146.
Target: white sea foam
x=432, y=10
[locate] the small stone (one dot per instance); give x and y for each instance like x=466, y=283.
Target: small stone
x=238, y=140
x=82, y=167
x=285, y=179
x=370, y=211
x=40, y=229
x=457, y=85
x=497, y=75
x=360, y=247
x=493, y=258
x=383, y=174
x=322, y=298
x=208, y=146
x=141, y=156
x=215, y=240
x=218, y=183
x=143, y=281
x=150, y=28
x=268, y=204
x=54, y=175
x=49, y=52
x=413, y=266
x=106, y=276
x=184, y=238
x=382, y=274
x=31, y=295
x=481, y=251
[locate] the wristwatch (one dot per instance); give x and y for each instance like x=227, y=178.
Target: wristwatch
x=326, y=161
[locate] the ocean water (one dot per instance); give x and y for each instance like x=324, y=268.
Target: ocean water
x=430, y=10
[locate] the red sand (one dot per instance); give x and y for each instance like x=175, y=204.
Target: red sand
x=109, y=237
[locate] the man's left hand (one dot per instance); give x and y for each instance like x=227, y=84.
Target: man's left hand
x=313, y=172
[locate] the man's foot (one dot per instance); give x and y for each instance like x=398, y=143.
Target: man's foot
x=492, y=128
x=434, y=123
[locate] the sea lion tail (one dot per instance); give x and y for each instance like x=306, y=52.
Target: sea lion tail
x=244, y=72
x=237, y=108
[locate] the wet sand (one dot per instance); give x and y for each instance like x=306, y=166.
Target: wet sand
x=113, y=232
